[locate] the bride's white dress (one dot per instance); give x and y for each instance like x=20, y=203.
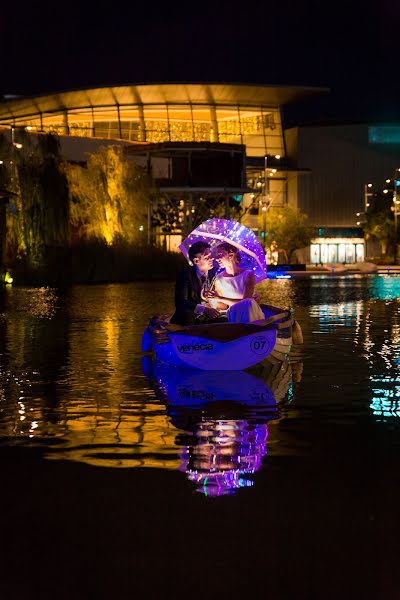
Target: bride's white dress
x=245, y=311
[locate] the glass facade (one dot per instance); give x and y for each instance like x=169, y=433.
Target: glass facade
x=337, y=251
x=338, y=245
x=258, y=128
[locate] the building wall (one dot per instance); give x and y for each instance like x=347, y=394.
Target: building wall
x=341, y=161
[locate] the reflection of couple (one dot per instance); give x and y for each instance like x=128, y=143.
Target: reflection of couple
x=222, y=452
x=201, y=293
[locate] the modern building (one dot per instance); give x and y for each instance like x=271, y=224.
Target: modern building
x=235, y=114
x=226, y=124
x=346, y=163
x=202, y=141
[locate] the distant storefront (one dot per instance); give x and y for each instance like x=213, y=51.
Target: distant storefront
x=338, y=245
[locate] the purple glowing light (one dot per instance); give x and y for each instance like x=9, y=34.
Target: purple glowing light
x=214, y=231
x=223, y=454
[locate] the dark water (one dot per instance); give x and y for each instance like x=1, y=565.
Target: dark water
x=122, y=478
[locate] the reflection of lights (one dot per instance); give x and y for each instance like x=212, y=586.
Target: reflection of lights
x=222, y=452
x=344, y=314
x=385, y=402
x=21, y=411
x=385, y=287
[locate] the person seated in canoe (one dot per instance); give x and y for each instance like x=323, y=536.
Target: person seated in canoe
x=191, y=307
x=234, y=287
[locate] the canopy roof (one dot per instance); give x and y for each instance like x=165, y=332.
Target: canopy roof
x=155, y=94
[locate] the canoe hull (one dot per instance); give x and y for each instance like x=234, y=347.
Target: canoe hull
x=212, y=355
x=209, y=350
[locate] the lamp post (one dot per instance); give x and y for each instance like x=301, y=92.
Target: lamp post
x=266, y=202
x=367, y=195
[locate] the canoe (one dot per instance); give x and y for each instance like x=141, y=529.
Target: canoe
x=222, y=346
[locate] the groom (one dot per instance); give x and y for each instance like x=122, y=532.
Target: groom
x=188, y=301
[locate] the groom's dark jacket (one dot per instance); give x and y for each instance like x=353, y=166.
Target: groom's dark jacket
x=188, y=295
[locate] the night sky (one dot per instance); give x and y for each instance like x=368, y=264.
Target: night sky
x=350, y=47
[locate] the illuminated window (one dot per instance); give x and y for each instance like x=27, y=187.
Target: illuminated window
x=360, y=252
x=324, y=253
x=350, y=253
x=314, y=250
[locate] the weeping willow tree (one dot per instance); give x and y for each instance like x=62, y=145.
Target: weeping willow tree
x=38, y=216
x=110, y=198
x=70, y=221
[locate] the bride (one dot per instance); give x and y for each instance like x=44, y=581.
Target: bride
x=234, y=287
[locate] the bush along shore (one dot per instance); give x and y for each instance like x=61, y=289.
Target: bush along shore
x=94, y=262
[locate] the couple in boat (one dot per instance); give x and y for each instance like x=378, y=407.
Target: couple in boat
x=208, y=293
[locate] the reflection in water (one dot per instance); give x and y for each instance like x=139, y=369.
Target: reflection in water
x=225, y=419
x=221, y=452
x=385, y=287
x=374, y=326
x=379, y=337
x=385, y=402
x=71, y=380
x=70, y=383
x=344, y=314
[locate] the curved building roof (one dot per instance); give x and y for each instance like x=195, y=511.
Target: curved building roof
x=156, y=94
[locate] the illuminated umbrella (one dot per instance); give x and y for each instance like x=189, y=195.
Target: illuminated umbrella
x=215, y=231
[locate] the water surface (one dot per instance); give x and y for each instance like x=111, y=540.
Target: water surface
x=304, y=453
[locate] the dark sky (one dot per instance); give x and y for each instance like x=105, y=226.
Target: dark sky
x=350, y=47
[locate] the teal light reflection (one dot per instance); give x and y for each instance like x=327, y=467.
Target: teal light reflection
x=385, y=403
x=344, y=314
x=385, y=287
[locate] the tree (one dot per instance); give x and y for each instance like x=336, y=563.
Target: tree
x=109, y=198
x=172, y=214
x=379, y=221
x=287, y=229
x=38, y=216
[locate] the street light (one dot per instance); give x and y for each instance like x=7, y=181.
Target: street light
x=367, y=195
x=266, y=202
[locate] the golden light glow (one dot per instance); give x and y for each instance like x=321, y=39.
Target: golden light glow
x=163, y=123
